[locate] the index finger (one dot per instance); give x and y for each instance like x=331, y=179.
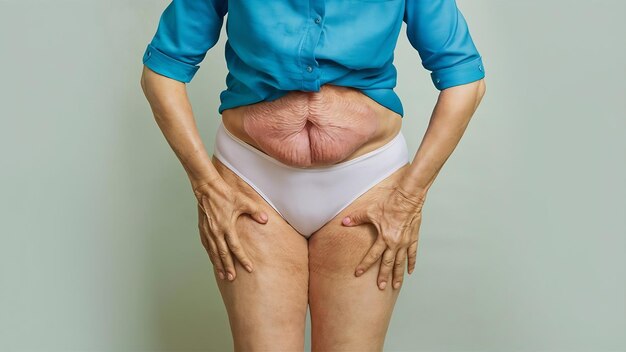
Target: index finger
x=372, y=256
x=232, y=239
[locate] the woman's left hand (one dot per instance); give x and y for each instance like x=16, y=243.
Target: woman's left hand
x=397, y=219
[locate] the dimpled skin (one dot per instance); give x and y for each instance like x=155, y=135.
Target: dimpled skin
x=307, y=129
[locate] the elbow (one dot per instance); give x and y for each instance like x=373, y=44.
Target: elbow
x=478, y=90
x=143, y=85
x=147, y=84
x=482, y=88
x=150, y=82
x=143, y=79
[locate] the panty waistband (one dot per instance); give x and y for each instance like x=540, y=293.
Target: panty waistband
x=399, y=138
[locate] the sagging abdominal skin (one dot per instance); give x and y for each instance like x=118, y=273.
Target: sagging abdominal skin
x=308, y=129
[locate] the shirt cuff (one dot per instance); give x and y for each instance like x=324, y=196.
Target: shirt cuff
x=167, y=66
x=460, y=74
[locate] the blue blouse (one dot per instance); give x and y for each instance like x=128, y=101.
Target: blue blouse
x=275, y=46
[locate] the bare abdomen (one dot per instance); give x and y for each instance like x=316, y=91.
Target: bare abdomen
x=308, y=129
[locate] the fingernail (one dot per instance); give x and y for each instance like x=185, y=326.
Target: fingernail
x=220, y=274
x=396, y=284
x=359, y=272
x=382, y=285
x=249, y=268
x=346, y=221
x=230, y=276
x=264, y=217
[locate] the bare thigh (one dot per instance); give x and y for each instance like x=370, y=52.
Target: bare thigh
x=266, y=308
x=348, y=313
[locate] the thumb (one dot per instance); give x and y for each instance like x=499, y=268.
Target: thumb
x=355, y=219
x=256, y=212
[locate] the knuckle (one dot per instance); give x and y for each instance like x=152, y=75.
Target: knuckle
x=232, y=240
x=372, y=255
x=393, y=243
x=243, y=202
x=371, y=211
x=223, y=253
x=212, y=254
x=237, y=250
x=206, y=231
x=234, y=246
x=388, y=262
x=215, y=260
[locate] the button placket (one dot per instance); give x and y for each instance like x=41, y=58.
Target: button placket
x=310, y=69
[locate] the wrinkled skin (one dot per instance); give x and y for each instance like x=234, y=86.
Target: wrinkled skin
x=306, y=130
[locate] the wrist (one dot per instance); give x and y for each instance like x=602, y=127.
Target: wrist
x=412, y=190
x=199, y=170
x=198, y=184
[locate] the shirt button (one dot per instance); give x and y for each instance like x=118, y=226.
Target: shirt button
x=438, y=80
x=309, y=69
x=480, y=67
x=318, y=20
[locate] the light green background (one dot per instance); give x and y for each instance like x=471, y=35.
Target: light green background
x=523, y=240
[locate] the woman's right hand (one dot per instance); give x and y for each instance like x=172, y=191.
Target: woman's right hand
x=219, y=207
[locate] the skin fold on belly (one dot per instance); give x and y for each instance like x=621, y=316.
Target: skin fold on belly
x=309, y=129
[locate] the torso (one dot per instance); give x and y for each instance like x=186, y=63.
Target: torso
x=312, y=129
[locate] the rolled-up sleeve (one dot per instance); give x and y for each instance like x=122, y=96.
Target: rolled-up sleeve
x=186, y=31
x=439, y=32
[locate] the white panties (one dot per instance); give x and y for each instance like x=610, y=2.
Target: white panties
x=308, y=198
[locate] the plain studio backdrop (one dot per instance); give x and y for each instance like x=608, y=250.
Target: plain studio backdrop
x=522, y=246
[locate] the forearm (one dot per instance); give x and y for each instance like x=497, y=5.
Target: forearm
x=451, y=115
x=174, y=115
